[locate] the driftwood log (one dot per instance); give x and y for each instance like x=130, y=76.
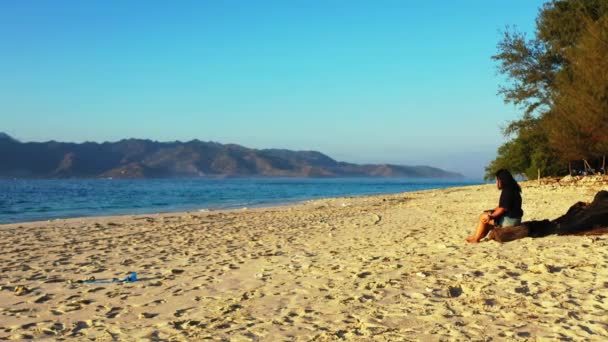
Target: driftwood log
x=581, y=219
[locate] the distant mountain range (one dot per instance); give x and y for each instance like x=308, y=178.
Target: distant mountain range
x=136, y=158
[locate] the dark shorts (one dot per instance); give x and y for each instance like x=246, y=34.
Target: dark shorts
x=506, y=221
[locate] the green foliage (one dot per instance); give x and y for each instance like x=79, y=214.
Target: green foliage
x=559, y=80
x=578, y=123
x=527, y=152
x=531, y=71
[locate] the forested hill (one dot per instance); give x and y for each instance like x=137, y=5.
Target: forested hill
x=135, y=158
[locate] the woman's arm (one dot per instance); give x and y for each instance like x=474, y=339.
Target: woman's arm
x=497, y=213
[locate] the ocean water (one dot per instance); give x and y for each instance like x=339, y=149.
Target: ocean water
x=34, y=200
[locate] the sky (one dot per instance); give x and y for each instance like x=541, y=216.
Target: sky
x=407, y=82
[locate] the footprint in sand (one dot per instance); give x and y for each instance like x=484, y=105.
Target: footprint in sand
x=93, y=290
x=81, y=325
x=43, y=298
x=57, y=312
x=364, y=274
x=114, y=312
x=155, y=302
x=187, y=324
x=251, y=294
x=55, y=329
x=29, y=325
x=232, y=308
x=366, y=298
x=21, y=337
x=147, y=315
x=181, y=312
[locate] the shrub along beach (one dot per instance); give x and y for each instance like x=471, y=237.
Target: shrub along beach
x=392, y=267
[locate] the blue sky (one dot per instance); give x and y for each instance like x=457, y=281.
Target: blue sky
x=404, y=82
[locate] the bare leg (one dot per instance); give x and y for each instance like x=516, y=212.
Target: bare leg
x=481, y=230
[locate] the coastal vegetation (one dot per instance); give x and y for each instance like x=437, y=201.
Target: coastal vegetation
x=559, y=81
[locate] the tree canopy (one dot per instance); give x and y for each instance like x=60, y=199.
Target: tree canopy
x=559, y=79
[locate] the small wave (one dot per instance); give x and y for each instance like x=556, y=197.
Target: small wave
x=8, y=212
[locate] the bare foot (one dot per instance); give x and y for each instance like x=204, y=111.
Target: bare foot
x=472, y=239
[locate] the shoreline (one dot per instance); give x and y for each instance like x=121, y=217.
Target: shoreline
x=270, y=204
x=383, y=267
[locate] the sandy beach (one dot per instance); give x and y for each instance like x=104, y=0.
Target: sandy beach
x=385, y=268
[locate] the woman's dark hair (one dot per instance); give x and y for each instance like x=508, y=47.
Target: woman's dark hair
x=507, y=179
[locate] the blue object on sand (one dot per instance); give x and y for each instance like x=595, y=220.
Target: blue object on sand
x=132, y=277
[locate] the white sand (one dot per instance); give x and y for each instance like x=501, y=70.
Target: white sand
x=386, y=268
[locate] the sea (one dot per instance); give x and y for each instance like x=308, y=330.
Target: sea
x=36, y=200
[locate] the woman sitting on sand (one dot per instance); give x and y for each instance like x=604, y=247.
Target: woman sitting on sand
x=508, y=213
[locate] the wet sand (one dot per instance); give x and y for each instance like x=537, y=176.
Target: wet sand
x=386, y=268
